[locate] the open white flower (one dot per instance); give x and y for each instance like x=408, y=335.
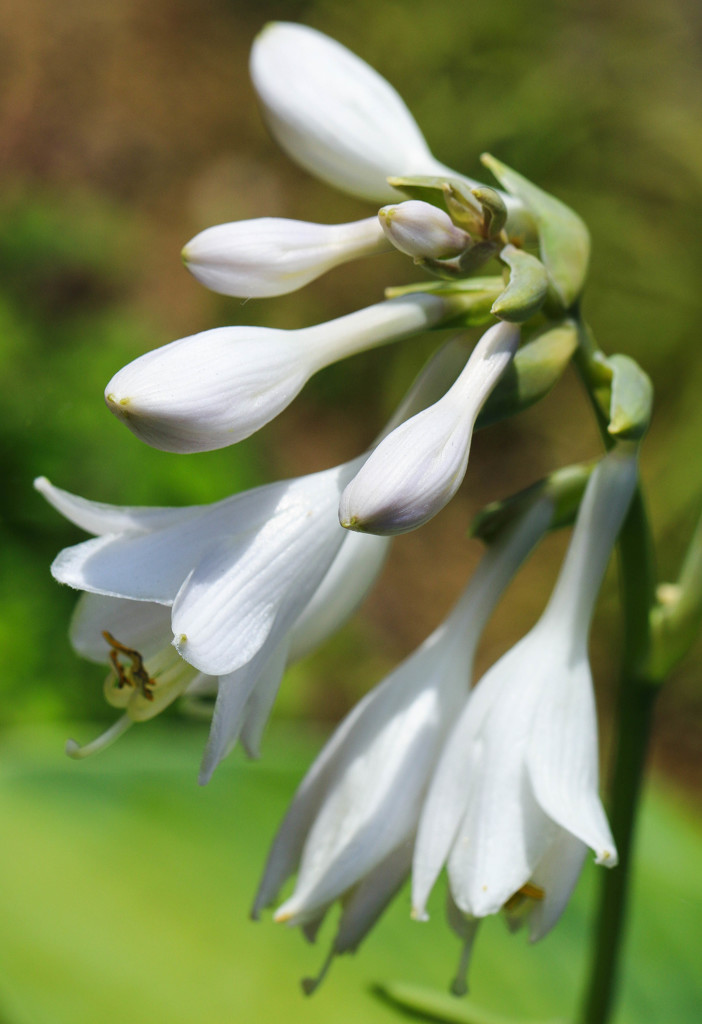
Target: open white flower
x=240, y=587
x=334, y=115
x=274, y=256
x=213, y=389
x=416, y=470
x=351, y=824
x=514, y=802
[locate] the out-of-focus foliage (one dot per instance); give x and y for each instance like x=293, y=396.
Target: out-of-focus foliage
x=126, y=890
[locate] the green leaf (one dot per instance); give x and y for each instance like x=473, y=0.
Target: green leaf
x=631, y=401
x=532, y=373
x=527, y=288
x=563, y=237
x=440, y=1007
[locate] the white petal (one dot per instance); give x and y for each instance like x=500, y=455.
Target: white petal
x=235, y=694
x=416, y=470
x=381, y=772
x=138, y=624
x=273, y=256
x=98, y=518
x=209, y=390
x=370, y=898
x=601, y=513
x=556, y=873
x=260, y=703
x=562, y=759
x=242, y=586
x=421, y=230
x=457, y=771
x=335, y=115
x=213, y=389
x=351, y=575
x=153, y=566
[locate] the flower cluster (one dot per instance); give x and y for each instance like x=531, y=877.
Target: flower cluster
x=497, y=782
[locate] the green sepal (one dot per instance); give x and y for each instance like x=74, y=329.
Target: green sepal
x=450, y=194
x=564, y=240
x=676, y=618
x=437, y=1006
x=631, y=401
x=492, y=285
x=535, y=369
x=494, y=210
x=527, y=287
x=565, y=487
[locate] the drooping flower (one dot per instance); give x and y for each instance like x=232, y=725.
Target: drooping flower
x=514, y=802
x=240, y=587
x=334, y=114
x=350, y=827
x=416, y=470
x=213, y=389
x=274, y=256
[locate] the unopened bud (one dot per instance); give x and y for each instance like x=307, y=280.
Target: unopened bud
x=421, y=230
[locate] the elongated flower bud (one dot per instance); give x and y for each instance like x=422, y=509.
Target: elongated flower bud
x=422, y=230
x=418, y=468
x=274, y=256
x=213, y=389
x=334, y=115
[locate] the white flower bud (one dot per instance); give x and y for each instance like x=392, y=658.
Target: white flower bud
x=418, y=468
x=274, y=256
x=213, y=389
x=334, y=115
x=422, y=230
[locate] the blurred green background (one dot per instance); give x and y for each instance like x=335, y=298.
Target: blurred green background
x=127, y=128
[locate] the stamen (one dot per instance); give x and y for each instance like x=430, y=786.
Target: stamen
x=527, y=891
x=77, y=752
x=310, y=985
x=136, y=675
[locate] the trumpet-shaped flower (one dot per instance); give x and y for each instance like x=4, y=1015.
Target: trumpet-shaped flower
x=235, y=575
x=418, y=468
x=334, y=115
x=273, y=256
x=514, y=802
x=240, y=587
x=213, y=389
x=421, y=230
x=351, y=824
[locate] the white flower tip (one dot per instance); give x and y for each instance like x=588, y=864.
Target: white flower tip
x=422, y=230
x=607, y=858
x=419, y=914
x=74, y=750
x=283, y=915
x=42, y=484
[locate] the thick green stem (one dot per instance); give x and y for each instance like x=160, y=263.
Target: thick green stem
x=634, y=715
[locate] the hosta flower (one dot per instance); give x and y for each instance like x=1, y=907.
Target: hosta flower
x=240, y=587
x=273, y=256
x=334, y=115
x=350, y=827
x=418, y=468
x=213, y=389
x=514, y=802
x=421, y=230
